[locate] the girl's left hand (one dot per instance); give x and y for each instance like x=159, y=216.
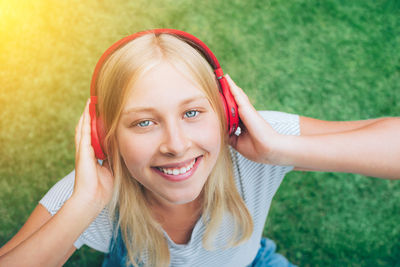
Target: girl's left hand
x=257, y=139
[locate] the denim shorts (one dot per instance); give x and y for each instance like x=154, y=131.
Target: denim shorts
x=267, y=257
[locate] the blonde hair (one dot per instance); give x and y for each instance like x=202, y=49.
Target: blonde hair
x=141, y=233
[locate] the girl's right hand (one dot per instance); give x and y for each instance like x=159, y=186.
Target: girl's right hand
x=93, y=182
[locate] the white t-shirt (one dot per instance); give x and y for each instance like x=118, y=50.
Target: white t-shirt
x=256, y=183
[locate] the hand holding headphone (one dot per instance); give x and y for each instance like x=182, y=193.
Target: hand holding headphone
x=230, y=106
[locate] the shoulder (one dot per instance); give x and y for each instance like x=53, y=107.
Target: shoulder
x=282, y=122
x=55, y=198
x=254, y=180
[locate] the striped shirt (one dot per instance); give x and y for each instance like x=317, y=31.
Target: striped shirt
x=256, y=183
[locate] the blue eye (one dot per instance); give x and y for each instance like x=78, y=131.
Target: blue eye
x=191, y=113
x=145, y=123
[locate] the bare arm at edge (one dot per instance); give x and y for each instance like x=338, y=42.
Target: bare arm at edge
x=46, y=240
x=310, y=126
x=369, y=147
x=37, y=219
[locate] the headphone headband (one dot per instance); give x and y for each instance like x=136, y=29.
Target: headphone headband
x=192, y=40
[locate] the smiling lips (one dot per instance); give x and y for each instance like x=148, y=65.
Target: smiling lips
x=180, y=171
x=177, y=171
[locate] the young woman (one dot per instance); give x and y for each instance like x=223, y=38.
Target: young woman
x=175, y=188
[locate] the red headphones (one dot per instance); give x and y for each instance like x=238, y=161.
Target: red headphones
x=229, y=103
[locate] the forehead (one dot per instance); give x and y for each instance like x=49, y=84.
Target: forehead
x=162, y=85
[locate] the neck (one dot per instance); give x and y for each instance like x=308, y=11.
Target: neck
x=162, y=206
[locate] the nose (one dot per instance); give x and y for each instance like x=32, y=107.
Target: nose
x=175, y=141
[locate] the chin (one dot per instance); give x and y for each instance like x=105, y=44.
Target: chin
x=184, y=199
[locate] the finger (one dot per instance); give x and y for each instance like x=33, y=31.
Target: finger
x=253, y=122
x=85, y=129
x=237, y=92
x=247, y=113
x=246, y=109
x=78, y=130
x=85, y=151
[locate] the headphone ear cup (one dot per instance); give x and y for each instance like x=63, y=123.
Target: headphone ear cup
x=225, y=109
x=101, y=133
x=231, y=108
x=96, y=133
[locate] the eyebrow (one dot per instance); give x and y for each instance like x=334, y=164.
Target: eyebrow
x=147, y=109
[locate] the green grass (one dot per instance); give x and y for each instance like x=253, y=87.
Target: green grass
x=334, y=60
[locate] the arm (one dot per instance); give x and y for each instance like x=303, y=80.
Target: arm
x=36, y=220
x=38, y=217
x=369, y=147
x=46, y=240
x=310, y=126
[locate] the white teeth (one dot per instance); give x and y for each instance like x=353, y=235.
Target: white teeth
x=182, y=170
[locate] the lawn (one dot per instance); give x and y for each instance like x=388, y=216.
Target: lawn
x=333, y=60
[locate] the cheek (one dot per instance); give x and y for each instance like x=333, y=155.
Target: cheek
x=136, y=152
x=208, y=134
